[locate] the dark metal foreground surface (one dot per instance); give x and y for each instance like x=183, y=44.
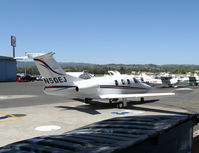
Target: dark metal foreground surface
x=121, y=134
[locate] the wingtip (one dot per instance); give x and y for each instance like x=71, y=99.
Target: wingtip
x=183, y=90
x=36, y=55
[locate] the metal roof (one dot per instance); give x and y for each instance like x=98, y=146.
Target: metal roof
x=108, y=136
x=6, y=58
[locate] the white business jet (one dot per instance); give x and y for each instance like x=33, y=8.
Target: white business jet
x=114, y=87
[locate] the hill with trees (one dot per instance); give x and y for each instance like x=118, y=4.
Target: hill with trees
x=30, y=68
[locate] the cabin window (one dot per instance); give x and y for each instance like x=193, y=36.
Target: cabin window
x=135, y=80
x=123, y=82
x=116, y=82
x=128, y=81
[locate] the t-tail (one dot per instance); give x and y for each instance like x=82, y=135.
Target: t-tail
x=57, y=82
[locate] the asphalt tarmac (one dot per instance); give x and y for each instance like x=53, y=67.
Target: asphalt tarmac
x=26, y=112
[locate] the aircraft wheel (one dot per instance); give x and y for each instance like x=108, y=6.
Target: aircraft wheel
x=142, y=99
x=120, y=105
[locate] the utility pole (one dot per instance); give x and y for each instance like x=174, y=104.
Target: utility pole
x=25, y=63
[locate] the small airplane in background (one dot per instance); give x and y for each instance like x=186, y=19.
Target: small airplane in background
x=115, y=87
x=160, y=81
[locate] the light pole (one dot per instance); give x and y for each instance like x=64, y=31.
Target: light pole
x=25, y=63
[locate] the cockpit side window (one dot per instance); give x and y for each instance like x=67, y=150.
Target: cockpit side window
x=128, y=81
x=123, y=82
x=135, y=80
x=116, y=82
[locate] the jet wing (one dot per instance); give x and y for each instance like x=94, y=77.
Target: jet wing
x=111, y=96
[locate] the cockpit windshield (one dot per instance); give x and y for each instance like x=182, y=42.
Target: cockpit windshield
x=136, y=80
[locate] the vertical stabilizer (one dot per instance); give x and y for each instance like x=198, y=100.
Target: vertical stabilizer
x=51, y=71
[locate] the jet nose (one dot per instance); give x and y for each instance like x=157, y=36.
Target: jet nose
x=148, y=87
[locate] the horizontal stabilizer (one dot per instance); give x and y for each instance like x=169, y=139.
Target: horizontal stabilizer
x=34, y=55
x=183, y=90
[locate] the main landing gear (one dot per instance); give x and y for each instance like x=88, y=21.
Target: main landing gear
x=123, y=102
x=120, y=104
x=114, y=100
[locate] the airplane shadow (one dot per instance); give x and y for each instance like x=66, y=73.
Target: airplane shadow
x=94, y=106
x=90, y=108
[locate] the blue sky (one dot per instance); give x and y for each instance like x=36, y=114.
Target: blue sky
x=103, y=31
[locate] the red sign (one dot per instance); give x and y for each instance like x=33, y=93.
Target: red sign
x=13, y=41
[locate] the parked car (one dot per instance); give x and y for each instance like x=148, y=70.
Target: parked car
x=25, y=78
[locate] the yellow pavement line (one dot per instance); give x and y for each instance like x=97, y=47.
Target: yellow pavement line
x=15, y=118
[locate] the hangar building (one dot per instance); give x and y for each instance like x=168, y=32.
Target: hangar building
x=8, y=69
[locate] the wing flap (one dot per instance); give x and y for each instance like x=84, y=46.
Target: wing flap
x=110, y=96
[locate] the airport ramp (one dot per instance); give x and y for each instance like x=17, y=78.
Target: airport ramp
x=130, y=134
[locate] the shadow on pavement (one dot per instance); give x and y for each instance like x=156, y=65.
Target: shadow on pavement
x=94, y=106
